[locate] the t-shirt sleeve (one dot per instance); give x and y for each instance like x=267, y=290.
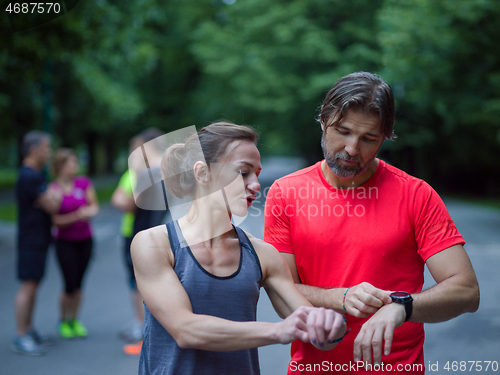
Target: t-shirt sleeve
x=277, y=230
x=31, y=186
x=83, y=182
x=435, y=231
x=125, y=183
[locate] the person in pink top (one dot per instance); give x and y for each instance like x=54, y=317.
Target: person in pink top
x=73, y=235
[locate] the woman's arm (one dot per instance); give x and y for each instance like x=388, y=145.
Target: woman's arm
x=325, y=325
x=92, y=207
x=169, y=303
x=82, y=213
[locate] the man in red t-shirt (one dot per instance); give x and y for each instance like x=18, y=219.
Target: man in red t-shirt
x=355, y=230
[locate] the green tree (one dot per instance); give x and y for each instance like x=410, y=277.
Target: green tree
x=443, y=59
x=269, y=63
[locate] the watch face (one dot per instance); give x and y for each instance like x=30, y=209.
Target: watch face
x=399, y=294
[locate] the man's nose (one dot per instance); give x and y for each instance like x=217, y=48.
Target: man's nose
x=352, y=147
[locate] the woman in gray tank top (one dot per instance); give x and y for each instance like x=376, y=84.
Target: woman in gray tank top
x=200, y=276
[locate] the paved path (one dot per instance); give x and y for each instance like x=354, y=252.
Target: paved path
x=106, y=307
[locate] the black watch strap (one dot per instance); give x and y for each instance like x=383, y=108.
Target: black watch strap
x=408, y=309
x=406, y=300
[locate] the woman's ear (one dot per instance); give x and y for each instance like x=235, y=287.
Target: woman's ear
x=201, y=173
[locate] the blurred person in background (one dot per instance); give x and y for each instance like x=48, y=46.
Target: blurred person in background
x=35, y=204
x=134, y=220
x=73, y=236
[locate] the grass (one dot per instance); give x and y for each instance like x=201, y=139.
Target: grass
x=104, y=193
x=8, y=178
x=8, y=212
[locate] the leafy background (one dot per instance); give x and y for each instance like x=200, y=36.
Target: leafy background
x=107, y=69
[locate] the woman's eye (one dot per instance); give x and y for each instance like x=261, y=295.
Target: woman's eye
x=243, y=174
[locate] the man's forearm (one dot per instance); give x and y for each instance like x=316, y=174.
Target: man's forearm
x=444, y=301
x=319, y=297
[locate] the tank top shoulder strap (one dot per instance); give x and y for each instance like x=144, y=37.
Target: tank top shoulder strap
x=175, y=236
x=247, y=244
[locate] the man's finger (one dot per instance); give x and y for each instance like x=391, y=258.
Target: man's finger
x=377, y=340
x=371, y=301
x=366, y=346
x=360, y=310
x=382, y=295
x=388, y=336
x=357, y=345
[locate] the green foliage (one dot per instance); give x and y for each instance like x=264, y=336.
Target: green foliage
x=270, y=62
x=104, y=193
x=443, y=59
x=107, y=69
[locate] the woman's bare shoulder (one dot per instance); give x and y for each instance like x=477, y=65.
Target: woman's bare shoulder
x=151, y=245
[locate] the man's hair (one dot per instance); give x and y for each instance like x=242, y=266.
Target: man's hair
x=33, y=138
x=364, y=92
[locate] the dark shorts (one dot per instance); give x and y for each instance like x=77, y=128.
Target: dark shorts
x=31, y=261
x=128, y=262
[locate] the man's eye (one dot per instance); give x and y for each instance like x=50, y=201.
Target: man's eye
x=342, y=132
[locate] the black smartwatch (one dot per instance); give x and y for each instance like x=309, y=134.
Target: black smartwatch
x=404, y=299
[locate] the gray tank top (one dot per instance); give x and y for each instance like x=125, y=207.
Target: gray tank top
x=231, y=297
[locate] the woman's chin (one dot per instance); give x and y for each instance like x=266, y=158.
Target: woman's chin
x=239, y=210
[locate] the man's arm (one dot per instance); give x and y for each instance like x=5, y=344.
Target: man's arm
x=169, y=303
x=455, y=293
x=49, y=201
x=324, y=325
x=360, y=300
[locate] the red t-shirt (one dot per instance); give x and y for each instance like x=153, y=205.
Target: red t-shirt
x=381, y=232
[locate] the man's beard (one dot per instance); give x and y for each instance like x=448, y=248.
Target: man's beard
x=341, y=170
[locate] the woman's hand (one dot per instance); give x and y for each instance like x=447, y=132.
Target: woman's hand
x=318, y=326
x=86, y=212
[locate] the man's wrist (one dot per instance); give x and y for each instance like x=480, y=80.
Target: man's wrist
x=406, y=300
x=343, y=299
x=336, y=299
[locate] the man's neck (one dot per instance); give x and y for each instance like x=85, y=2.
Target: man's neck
x=32, y=163
x=348, y=183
